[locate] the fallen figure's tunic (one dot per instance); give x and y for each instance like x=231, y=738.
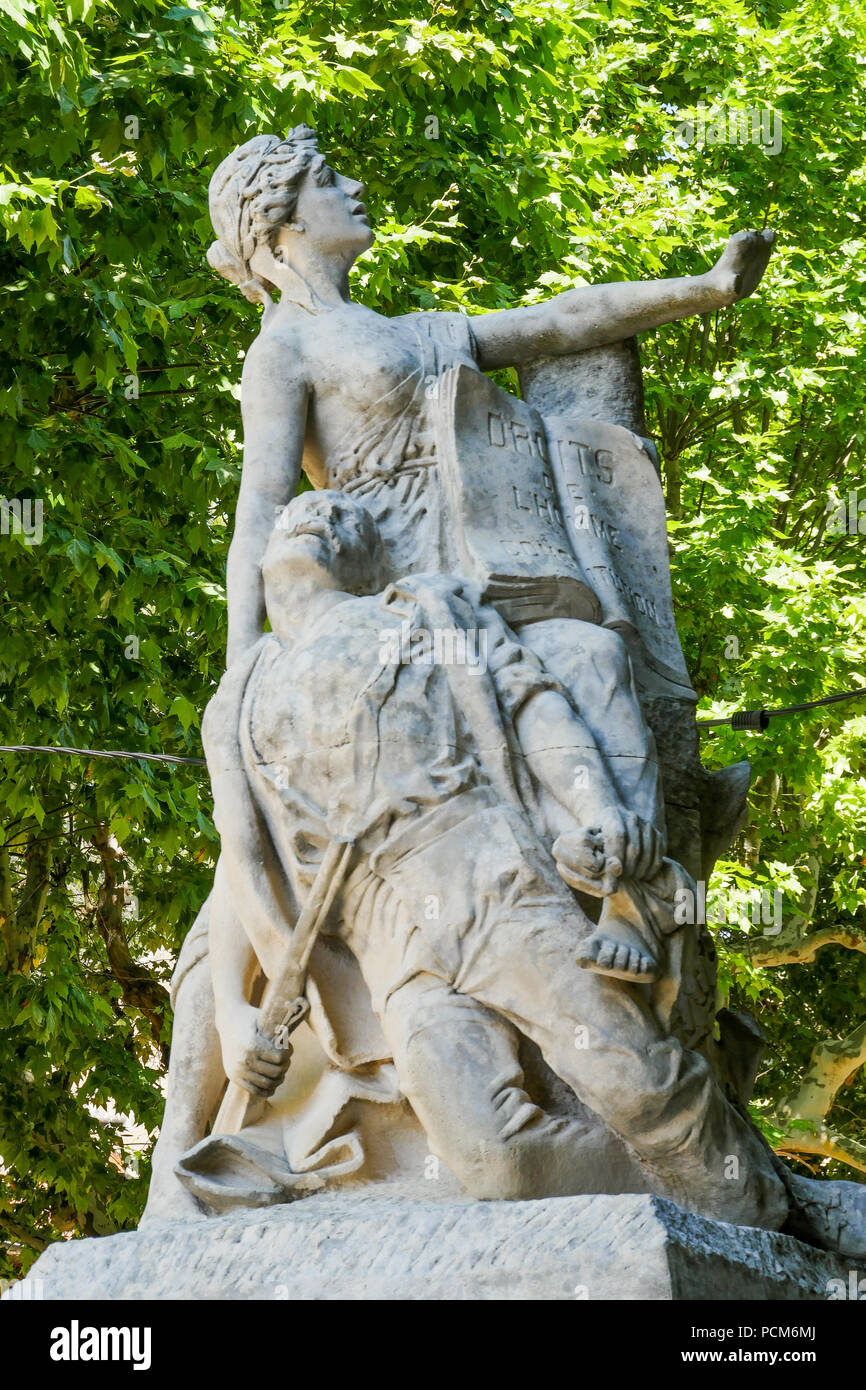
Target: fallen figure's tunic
x=453, y=910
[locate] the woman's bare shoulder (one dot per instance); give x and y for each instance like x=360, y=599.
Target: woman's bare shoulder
x=277, y=353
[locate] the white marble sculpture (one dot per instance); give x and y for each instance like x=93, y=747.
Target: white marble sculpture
x=456, y=782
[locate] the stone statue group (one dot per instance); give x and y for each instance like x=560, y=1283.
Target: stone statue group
x=453, y=763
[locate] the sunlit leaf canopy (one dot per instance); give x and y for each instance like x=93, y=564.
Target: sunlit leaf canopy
x=509, y=152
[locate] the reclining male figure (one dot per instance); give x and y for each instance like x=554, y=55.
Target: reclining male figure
x=409, y=756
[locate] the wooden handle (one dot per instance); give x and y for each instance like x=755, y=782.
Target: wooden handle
x=239, y=1108
x=283, y=1005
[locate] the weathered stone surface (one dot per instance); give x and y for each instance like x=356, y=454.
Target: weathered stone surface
x=440, y=806
x=358, y=1246
x=600, y=383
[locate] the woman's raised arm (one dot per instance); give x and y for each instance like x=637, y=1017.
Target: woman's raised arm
x=597, y=314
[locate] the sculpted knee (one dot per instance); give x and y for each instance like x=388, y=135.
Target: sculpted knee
x=658, y=1091
x=597, y=653
x=610, y=651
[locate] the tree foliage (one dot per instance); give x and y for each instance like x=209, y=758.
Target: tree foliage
x=509, y=151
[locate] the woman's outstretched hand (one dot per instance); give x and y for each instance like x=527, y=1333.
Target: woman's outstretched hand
x=738, y=271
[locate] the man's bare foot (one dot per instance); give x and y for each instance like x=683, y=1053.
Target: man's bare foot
x=628, y=941
x=618, y=844
x=617, y=949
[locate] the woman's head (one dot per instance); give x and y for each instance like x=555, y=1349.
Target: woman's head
x=270, y=187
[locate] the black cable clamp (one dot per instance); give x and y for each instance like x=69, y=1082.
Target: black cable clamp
x=750, y=719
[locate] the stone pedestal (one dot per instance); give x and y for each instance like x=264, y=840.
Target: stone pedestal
x=376, y=1246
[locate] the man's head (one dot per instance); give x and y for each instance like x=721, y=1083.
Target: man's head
x=269, y=193
x=322, y=540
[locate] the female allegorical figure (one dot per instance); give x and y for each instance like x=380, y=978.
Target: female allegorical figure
x=344, y=394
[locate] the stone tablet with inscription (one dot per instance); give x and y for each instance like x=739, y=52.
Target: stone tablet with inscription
x=560, y=518
x=511, y=533
x=614, y=511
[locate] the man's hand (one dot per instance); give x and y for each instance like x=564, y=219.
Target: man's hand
x=617, y=845
x=250, y=1059
x=738, y=270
